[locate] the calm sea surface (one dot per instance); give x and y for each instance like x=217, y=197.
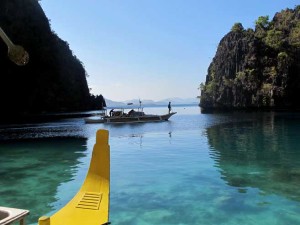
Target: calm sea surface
x=210, y=169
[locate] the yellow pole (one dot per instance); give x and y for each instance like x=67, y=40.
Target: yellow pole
x=44, y=220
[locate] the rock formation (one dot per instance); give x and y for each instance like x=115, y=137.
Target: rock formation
x=53, y=80
x=256, y=68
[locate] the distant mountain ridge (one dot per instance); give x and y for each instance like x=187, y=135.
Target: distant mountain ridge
x=146, y=102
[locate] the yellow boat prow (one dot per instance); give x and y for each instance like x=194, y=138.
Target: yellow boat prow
x=91, y=204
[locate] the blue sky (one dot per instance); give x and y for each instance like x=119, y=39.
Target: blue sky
x=150, y=49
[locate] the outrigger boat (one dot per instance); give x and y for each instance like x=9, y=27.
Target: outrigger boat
x=133, y=116
x=90, y=206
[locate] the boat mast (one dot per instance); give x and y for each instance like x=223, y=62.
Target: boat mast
x=140, y=107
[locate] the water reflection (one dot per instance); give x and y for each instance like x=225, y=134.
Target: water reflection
x=32, y=171
x=262, y=153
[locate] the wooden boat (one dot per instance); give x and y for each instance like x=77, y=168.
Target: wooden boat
x=90, y=205
x=132, y=116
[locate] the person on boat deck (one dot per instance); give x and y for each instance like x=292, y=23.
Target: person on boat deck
x=110, y=112
x=169, y=107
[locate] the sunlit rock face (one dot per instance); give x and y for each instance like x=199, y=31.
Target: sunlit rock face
x=256, y=68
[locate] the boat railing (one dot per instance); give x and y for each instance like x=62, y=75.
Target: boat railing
x=12, y=215
x=121, y=112
x=117, y=113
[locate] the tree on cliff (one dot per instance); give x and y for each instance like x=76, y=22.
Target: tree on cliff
x=257, y=68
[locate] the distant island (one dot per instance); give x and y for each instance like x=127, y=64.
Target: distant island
x=256, y=69
x=149, y=103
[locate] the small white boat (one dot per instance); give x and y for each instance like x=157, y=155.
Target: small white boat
x=120, y=116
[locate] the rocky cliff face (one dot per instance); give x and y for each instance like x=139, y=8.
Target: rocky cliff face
x=256, y=68
x=53, y=80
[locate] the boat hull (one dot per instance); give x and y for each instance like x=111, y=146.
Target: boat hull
x=127, y=119
x=90, y=206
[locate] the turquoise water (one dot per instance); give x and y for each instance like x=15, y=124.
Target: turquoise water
x=241, y=168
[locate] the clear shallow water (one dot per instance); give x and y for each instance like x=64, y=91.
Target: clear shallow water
x=195, y=169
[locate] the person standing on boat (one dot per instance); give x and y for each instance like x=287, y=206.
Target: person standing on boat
x=111, y=112
x=169, y=107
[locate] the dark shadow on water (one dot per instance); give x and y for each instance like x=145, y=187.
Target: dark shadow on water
x=263, y=153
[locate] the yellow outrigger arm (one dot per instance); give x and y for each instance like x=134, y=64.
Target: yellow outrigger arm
x=90, y=206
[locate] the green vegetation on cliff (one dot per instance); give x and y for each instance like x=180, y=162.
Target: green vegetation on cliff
x=256, y=68
x=53, y=80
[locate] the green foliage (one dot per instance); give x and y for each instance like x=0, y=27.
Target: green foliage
x=228, y=82
x=266, y=91
x=240, y=77
x=274, y=39
x=201, y=87
x=270, y=72
x=237, y=27
x=282, y=55
x=210, y=88
x=284, y=61
x=284, y=19
x=295, y=35
x=262, y=22
x=261, y=25
x=251, y=73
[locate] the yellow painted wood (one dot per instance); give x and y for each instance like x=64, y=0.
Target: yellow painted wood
x=90, y=206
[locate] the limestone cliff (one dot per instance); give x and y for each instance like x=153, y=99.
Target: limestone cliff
x=256, y=68
x=53, y=80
